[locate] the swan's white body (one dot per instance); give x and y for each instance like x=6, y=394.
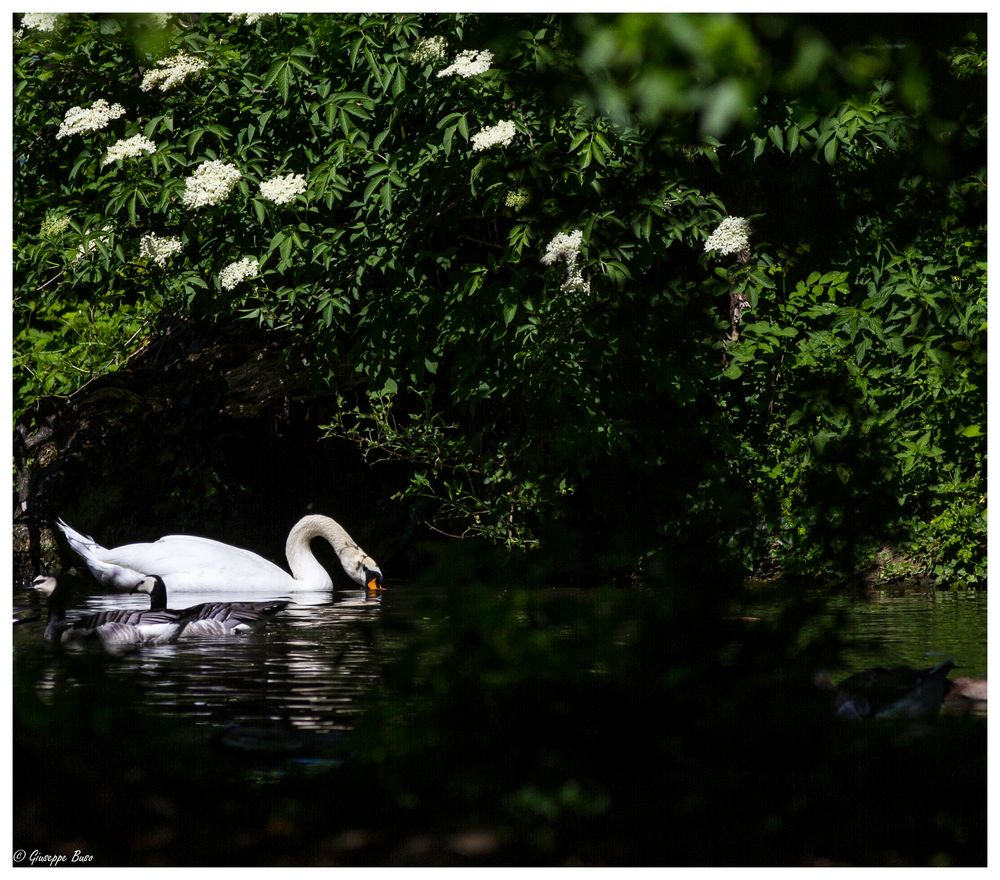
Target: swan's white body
x=188, y=563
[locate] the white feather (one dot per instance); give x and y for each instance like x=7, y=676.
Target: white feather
x=187, y=562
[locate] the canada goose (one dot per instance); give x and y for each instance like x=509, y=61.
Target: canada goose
x=899, y=692
x=210, y=618
x=117, y=629
x=186, y=562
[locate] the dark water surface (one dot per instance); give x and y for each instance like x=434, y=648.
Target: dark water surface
x=308, y=668
x=918, y=629
x=494, y=736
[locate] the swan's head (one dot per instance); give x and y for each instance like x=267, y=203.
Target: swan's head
x=45, y=584
x=373, y=580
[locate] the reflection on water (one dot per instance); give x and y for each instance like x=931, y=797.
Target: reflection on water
x=918, y=629
x=306, y=668
x=905, y=628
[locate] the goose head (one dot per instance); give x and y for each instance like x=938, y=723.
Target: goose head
x=154, y=586
x=45, y=584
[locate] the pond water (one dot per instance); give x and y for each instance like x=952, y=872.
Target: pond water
x=918, y=629
x=306, y=670
x=905, y=628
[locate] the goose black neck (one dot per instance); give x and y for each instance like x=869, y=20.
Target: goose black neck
x=158, y=595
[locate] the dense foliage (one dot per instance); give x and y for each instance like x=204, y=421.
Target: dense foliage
x=488, y=236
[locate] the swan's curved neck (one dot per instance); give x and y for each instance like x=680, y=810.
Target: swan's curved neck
x=301, y=560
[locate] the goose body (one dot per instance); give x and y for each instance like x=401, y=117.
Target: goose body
x=899, y=692
x=210, y=618
x=190, y=563
x=116, y=629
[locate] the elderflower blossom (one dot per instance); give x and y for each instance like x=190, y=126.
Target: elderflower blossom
x=170, y=72
x=211, y=183
x=94, y=118
x=574, y=280
x=470, y=62
x=236, y=272
x=53, y=224
x=732, y=236
x=566, y=246
x=517, y=198
x=282, y=190
x=40, y=21
x=248, y=17
x=159, y=250
x=129, y=149
x=501, y=133
x=428, y=49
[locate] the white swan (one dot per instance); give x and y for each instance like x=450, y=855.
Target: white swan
x=187, y=563
x=118, y=629
x=211, y=618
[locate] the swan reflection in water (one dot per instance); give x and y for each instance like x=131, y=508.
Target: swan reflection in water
x=308, y=668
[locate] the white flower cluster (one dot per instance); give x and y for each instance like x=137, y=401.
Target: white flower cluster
x=211, y=183
x=428, y=49
x=159, y=250
x=517, y=198
x=53, y=224
x=129, y=148
x=282, y=190
x=249, y=17
x=731, y=237
x=40, y=21
x=236, y=272
x=501, y=133
x=158, y=19
x=470, y=62
x=80, y=119
x=170, y=72
x=566, y=246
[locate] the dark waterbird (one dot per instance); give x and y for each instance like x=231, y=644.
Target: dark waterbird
x=117, y=630
x=896, y=692
x=211, y=618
